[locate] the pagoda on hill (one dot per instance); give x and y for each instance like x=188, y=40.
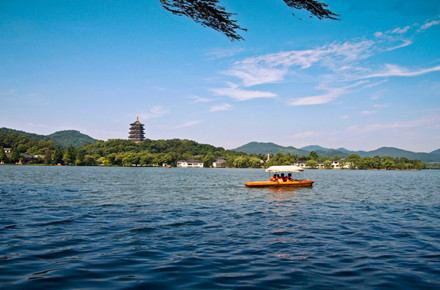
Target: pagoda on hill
x=136, y=131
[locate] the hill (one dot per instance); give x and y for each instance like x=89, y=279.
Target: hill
x=436, y=151
x=60, y=138
x=264, y=148
x=33, y=136
x=70, y=137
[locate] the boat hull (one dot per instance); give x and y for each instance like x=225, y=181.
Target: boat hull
x=295, y=183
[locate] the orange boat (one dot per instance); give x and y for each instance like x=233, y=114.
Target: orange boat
x=293, y=183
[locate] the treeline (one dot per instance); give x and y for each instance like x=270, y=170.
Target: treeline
x=353, y=161
x=118, y=152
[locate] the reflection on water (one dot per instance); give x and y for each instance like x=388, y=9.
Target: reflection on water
x=79, y=227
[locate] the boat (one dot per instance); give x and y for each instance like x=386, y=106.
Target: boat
x=273, y=169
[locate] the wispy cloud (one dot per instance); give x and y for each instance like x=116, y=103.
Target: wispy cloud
x=307, y=134
x=341, y=64
x=274, y=67
x=430, y=23
x=400, y=30
x=368, y=113
x=235, y=92
x=222, y=107
x=197, y=99
x=332, y=94
x=391, y=70
x=433, y=120
x=156, y=111
x=188, y=124
x=219, y=53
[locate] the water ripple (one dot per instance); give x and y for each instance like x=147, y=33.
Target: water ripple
x=128, y=228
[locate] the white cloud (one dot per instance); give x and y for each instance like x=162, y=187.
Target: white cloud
x=188, y=124
x=234, y=92
x=274, y=67
x=380, y=106
x=401, y=30
x=430, y=24
x=395, y=70
x=433, y=120
x=197, y=99
x=307, y=134
x=223, y=107
x=156, y=111
x=219, y=53
x=339, y=63
x=368, y=113
x=331, y=95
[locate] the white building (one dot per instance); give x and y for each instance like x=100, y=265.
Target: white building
x=219, y=163
x=190, y=163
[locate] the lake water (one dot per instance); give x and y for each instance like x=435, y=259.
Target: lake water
x=123, y=228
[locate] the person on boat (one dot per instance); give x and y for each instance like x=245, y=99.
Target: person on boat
x=274, y=177
x=282, y=178
x=289, y=177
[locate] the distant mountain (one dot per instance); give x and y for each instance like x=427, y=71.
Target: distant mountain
x=315, y=148
x=436, y=151
x=60, y=138
x=264, y=148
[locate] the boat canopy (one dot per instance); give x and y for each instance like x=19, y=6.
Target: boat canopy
x=289, y=168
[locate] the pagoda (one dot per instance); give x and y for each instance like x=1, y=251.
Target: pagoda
x=136, y=131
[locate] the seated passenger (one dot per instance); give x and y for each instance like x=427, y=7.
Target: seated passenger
x=289, y=177
x=274, y=177
x=282, y=178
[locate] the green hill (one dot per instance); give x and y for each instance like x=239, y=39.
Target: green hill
x=70, y=137
x=60, y=138
x=264, y=148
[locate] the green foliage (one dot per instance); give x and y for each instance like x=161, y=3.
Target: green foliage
x=327, y=164
x=69, y=156
x=61, y=138
x=14, y=155
x=312, y=163
x=117, y=152
x=313, y=155
x=70, y=137
x=2, y=155
x=57, y=157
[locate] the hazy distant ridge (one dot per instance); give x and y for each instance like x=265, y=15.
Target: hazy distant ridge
x=264, y=148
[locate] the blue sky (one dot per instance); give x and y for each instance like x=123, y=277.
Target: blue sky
x=371, y=79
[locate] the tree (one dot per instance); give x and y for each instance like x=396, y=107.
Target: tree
x=210, y=14
x=327, y=164
x=2, y=155
x=312, y=163
x=313, y=155
x=69, y=155
x=14, y=155
x=353, y=160
x=47, y=156
x=57, y=157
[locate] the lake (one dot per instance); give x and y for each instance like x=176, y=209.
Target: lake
x=175, y=228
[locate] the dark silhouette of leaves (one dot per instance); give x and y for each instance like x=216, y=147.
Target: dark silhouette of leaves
x=210, y=14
